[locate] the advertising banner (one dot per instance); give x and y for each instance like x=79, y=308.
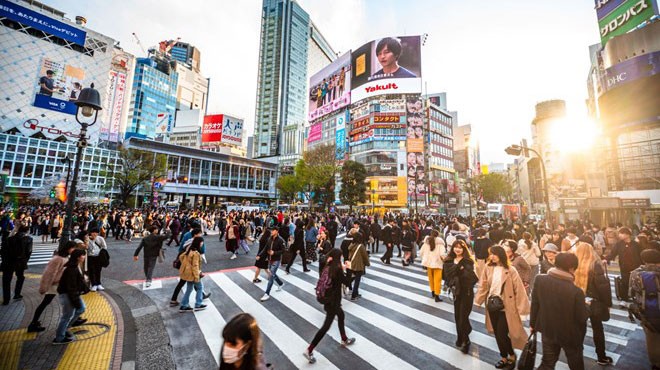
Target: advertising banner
x=41, y=22
x=163, y=125
x=315, y=133
x=212, y=128
x=605, y=7
x=387, y=106
x=330, y=88
x=117, y=106
x=391, y=119
x=341, y=144
x=391, y=65
x=104, y=131
x=416, y=175
x=58, y=86
x=625, y=18
x=630, y=70
x=232, y=131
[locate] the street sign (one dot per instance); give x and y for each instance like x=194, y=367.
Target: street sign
x=158, y=185
x=636, y=203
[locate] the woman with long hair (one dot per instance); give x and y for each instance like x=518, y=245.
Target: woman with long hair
x=191, y=273
x=71, y=286
x=242, y=348
x=261, y=261
x=530, y=251
x=332, y=306
x=324, y=247
x=590, y=277
x=461, y=278
x=432, y=254
x=501, y=286
x=407, y=242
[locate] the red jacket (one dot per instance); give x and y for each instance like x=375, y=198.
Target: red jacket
x=237, y=234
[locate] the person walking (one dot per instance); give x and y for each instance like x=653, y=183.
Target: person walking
x=387, y=236
x=94, y=246
x=50, y=279
x=530, y=251
x=298, y=246
x=70, y=288
x=324, y=247
x=15, y=252
x=274, y=251
x=432, y=253
x=311, y=236
x=590, y=277
x=408, y=238
x=191, y=273
x=461, y=278
x=644, y=293
x=175, y=228
x=152, y=244
x=233, y=236
x=242, y=347
x=375, y=228
x=629, y=253
x=559, y=313
x=332, y=305
x=358, y=261
x=517, y=261
x=261, y=260
x=481, y=246
x=502, y=287
x=550, y=252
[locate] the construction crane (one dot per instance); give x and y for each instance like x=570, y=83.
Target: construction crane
x=137, y=41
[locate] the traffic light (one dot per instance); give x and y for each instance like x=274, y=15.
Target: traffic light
x=52, y=193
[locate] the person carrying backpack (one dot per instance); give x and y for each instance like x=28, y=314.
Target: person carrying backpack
x=644, y=287
x=328, y=292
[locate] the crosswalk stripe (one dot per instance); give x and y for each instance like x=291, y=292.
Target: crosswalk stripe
x=292, y=346
x=589, y=351
x=432, y=346
x=211, y=322
x=369, y=351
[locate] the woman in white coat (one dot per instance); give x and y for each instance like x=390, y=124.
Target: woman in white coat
x=433, y=252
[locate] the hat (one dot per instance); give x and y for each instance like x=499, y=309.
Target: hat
x=650, y=256
x=549, y=247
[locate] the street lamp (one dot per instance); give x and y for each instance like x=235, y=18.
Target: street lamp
x=89, y=104
x=469, y=189
x=515, y=150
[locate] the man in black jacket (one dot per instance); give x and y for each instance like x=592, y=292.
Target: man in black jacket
x=629, y=253
x=15, y=254
x=374, y=229
x=560, y=313
x=332, y=227
x=274, y=250
x=386, y=235
x=152, y=245
x=298, y=246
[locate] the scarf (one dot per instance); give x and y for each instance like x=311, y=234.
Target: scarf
x=561, y=274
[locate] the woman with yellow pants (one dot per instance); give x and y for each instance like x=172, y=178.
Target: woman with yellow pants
x=432, y=252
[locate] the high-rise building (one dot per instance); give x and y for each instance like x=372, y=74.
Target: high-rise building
x=290, y=44
x=187, y=54
x=153, y=99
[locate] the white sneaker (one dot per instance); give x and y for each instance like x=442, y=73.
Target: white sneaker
x=265, y=297
x=147, y=284
x=279, y=288
x=233, y=257
x=100, y=287
x=94, y=287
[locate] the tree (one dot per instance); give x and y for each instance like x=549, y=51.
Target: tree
x=317, y=173
x=495, y=187
x=135, y=168
x=289, y=186
x=353, y=186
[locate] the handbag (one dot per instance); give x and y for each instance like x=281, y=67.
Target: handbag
x=528, y=355
x=495, y=302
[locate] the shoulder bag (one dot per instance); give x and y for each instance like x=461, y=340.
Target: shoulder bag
x=354, y=254
x=495, y=302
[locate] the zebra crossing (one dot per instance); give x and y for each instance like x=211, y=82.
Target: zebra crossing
x=396, y=323
x=42, y=253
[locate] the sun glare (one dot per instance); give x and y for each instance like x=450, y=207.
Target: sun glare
x=574, y=135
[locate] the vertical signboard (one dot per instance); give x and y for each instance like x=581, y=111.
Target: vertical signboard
x=416, y=175
x=341, y=144
x=315, y=133
x=117, y=106
x=104, y=130
x=626, y=17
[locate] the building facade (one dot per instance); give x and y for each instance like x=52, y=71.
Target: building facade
x=188, y=55
x=37, y=39
x=289, y=45
x=443, y=189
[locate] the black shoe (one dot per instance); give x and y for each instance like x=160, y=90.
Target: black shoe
x=78, y=322
x=5, y=303
x=63, y=341
x=465, y=348
x=17, y=297
x=501, y=364
x=287, y=271
x=200, y=308
x=382, y=260
x=604, y=361
x=35, y=327
x=206, y=295
x=438, y=299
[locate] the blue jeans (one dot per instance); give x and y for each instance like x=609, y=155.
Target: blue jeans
x=69, y=315
x=273, y=275
x=199, y=295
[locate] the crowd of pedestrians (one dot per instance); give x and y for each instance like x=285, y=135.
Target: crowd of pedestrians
x=557, y=278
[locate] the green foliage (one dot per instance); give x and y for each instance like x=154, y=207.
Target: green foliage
x=353, y=186
x=289, y=186
x=135, y=168
x=495, y=187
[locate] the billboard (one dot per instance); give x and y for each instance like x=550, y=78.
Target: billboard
x=626, y=17
x=341, y=144
x=315, y=133
x=630, y=70
x=232, y=131
x=212, y=128
x=416, y=175
x=391, y=65
x=41, y=22
x=114, y=101
x=605, y=7
x=330, y=88
x=163, y=123
x=221, y=128
x=58, y=86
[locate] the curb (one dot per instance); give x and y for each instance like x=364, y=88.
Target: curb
x=146, y=343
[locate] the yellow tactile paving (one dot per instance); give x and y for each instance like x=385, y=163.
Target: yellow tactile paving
x=96, y=352
x=11, y=343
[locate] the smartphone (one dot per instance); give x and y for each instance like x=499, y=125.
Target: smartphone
x=588, y=300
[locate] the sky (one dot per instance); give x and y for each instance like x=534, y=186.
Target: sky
x=494, y=59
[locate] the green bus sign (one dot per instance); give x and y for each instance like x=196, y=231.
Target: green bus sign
x=626, y=17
